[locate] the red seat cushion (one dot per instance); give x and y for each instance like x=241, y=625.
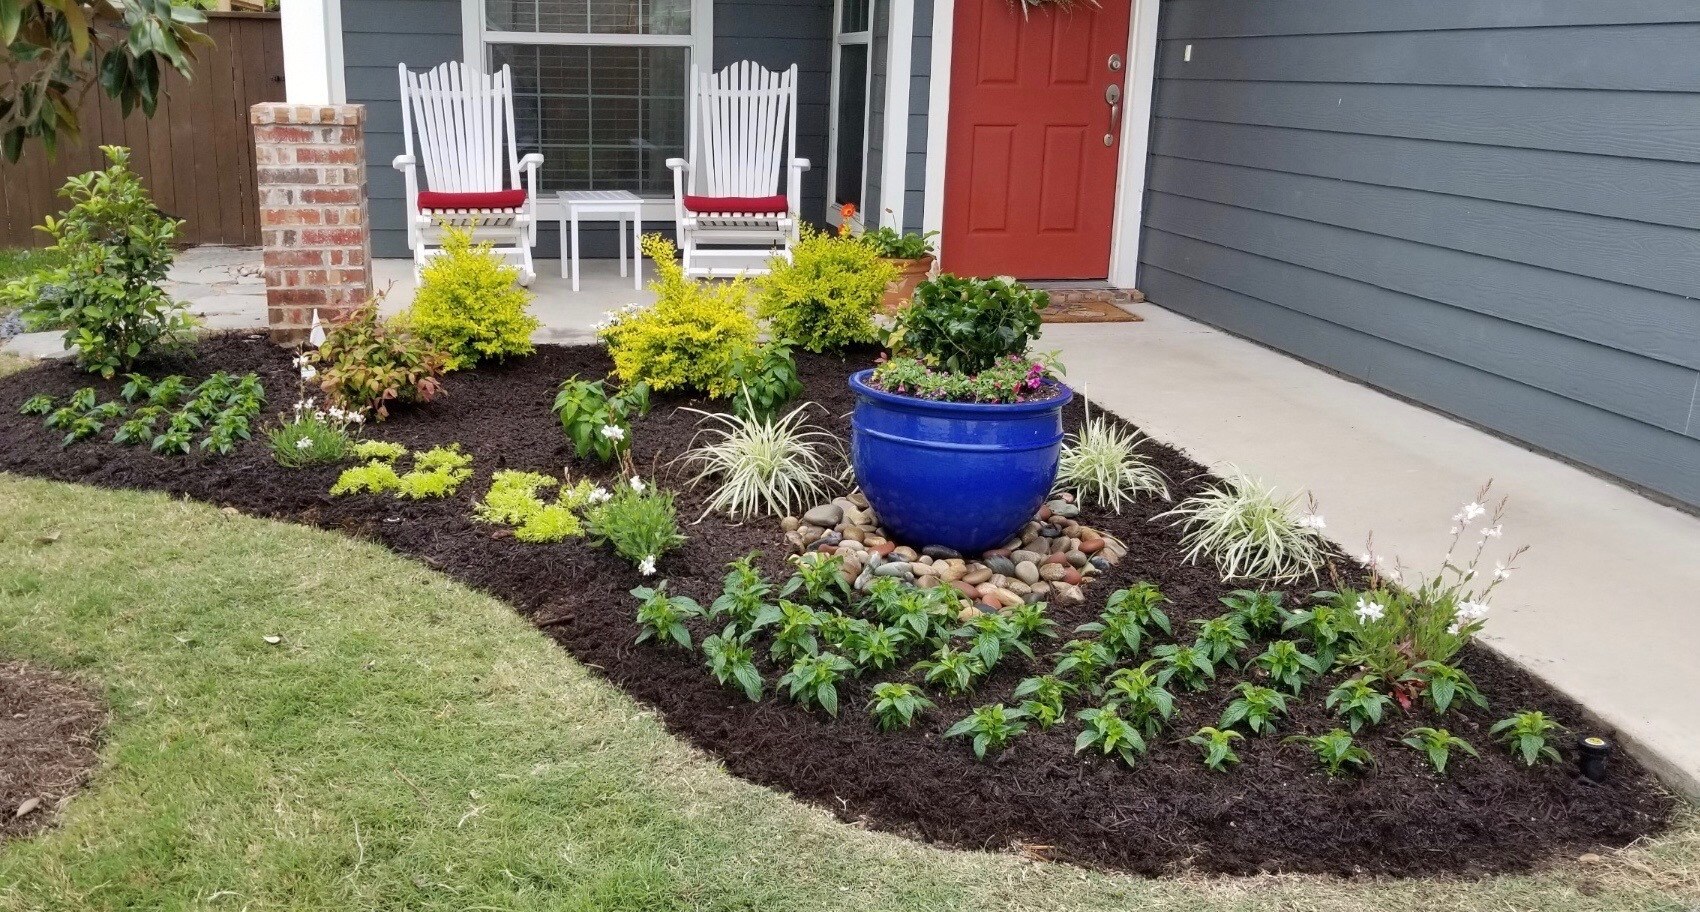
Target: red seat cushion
x=489, y=199
x=764, y=204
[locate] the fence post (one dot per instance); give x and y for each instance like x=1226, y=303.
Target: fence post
x=314, y=228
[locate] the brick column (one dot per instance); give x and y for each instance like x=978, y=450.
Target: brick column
x=313, y=223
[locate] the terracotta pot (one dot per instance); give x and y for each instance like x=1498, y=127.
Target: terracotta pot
x=910, y=273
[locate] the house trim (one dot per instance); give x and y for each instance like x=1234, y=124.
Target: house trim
x=312, y=52
x=840, y=40
x=895, y=151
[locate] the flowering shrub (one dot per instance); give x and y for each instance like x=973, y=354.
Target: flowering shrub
x=689, y=338
x=638, y=522
x=823, y=297
x=599, y=424
x=967, y=325
x=365, y=365
x=468, y=304
x=1014, y=378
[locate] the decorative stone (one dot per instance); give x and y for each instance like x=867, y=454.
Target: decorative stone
x=1053, y=572
x=795, y=540
x=1089, y=534
x=940, y=552
x=1041, y=588
x=977, y=576
x=953, y=569
x=1077, y=559
x=972, y=612
x=824, y=515
x=1050, y=532
x=1003, y=565
x=854, y=533
x=904, y=552
x=789, y=523
x=859, y=499
x=1069, y=593
x=1062, y=508
x=1090, y=545
x=1007, y=598
x=1027, y=571
x=894, y=568
x=874, y=540
x=1018, y=587
x=964, y=588
x=1025, y=555
x=1066, y=498
x=1071, y=576
x=851, y=545
x=882, y=548
x=1100, y=564
x=1055, y=559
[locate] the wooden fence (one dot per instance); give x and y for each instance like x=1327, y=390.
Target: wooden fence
x=195, y=154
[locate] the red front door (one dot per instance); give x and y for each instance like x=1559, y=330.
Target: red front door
x=1030, y=181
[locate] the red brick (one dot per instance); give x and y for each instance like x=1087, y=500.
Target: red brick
x=339, y=237
x=327, y=154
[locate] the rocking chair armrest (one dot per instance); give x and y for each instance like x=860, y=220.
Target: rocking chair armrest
x=801, y=164
x=403, y=162
x=678, y=164
x=531, y=160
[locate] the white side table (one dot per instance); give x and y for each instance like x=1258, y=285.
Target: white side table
x=601, y=205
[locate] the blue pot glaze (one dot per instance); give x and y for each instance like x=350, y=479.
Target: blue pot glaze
x=963, y=475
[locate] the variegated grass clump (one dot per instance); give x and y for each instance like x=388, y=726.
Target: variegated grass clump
x=1250, y=531
x=1102, y=464
x=764, y=466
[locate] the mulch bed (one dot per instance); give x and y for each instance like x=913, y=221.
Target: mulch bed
x=1274, y=812
x=49, y=731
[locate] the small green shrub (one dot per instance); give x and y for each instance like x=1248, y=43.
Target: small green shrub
x=1217, y=746
x=379, y=449
x=1222, y=638
x=638, y=522
x=1334, y=751
x=1107, y=731
x=437, y=472
x=366, y=365
x=745, y=597
x=1441, y=684
x=1526, y=733
x=814, y=680
x=824, y=295
x=372, y=478
x=767, y=379
x=1258, y=707
x=991, y=636
x=1258, y=612
x=38, y=405
x=1129, y=614
x=797, y=633
x=1083, y=663
x=1358, y=702
x=309, y=440
x=991, y=728
x=1190, y=666
x=1042, y=698
x=689, y=338
x=1287, y=665
x=1437, y=744
x=732, y=662
x=599, y=424
x=468, y=305
x=965, y=325
x=515, y=499
x=820, y=578
x=1138, y=692
x=897, y=705
x=662, y=616
x=953, y=670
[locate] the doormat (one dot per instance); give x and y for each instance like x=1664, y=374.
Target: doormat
x=1078, y=302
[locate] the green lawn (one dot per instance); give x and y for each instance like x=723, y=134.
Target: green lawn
x=414, y=745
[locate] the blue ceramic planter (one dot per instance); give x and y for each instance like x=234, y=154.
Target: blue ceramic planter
x=962, y=475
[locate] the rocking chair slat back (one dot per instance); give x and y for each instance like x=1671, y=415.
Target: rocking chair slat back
x=745, y=126
x=464, y=121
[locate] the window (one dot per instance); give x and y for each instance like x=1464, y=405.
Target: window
x=848, y=156
x=600, y=86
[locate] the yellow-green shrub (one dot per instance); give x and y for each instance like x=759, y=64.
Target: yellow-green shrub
x=692, y=335
x=515, y=499
x=824, y=298
x=469, y=305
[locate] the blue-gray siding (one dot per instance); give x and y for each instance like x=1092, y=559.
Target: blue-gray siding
x=378, y=34
x=1489, y=206
x=920, y=97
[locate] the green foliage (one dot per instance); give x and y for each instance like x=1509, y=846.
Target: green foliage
x=1441, y=684
x=1258, y=707
x=468, y=305
x=692, y=335
x=1030, y=621
x=372, y=478
x=1128, y=615
x=1140, y=694
x=1437, y=744
x=965, y=325
x=1190, y=666
x=1102, y=463
x=915, y=616
x=1258, y=612
x=382, y=450
x=1286, y=664
x=824, y=295
x=1217, y=746
x=117, y=247
x=437, y=472
x=869, y=645
x=662, y=616
x=1016, y=378
x=1042, y=698
x=599, y=424
x=798, y=632
x=951, y=669
x=763, y=466
x=732, y=662
x=1083, y=663
x=1222, y=638
x=38, y=405
x=139, y=428
x=221, y=407
x=767, y=379
x=1320, y=624
x=820, y=578
x=1110, y=734
x=991, y=636
x=1526, y=733
x=1358, y=702
x=366, y=365
x=814, y=680
x=897, y=705
x=745, y=596
x=1334, y=751
x=1250, y=531
x=889, y=243
x=168, y=392
x=991, y=727
x=1390, y=630
x=308, y=440
x=515, y=499
x=638, y=521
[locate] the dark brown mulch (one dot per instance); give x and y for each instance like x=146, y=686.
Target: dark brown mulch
x=49, y=730
x=1274, y=812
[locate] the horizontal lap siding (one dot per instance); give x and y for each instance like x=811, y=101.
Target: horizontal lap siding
x=1489, y=206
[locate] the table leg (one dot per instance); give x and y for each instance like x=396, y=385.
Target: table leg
x=637, y=249
x=562, y=218
x=622, y=234
x=575, y=249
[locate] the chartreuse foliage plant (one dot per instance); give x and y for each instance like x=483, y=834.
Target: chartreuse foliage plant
x=516, y=499
x=661, y=616
x=382, y=450
x=1102, y=464
x=896, y=704
x=892, y=244
x=1358, y=702
x=1217, y=746
x=763, y=466
x=469, y=305
x=813, y=680
x=1249, y=531
x=436, y=473
x=1526, y=734
x=1437, y=744
x=1257, y=707
x=1042, y=699
x=732, y=662
x=824, y=295
x=116, y=247
x=638, y=521
x=989, y=728
x=690, y=338
x=1106, y=730
x=1334, y=751
x=599, y=423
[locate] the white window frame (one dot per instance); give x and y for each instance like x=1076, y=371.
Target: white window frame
x=476, y=39
x=841, y=39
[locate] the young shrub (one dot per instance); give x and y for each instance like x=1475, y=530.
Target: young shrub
x=1141, y=695
x=310, y=440
x=797, y=634
x=1110, y=734
x=1042, y=699
x=897, y=705
x=1030, y=621
x=767, y=379
x=599, y=424
x=663, y=616
x=992, y=635
x=1437, y=744
x=1322, y=626
x=732, y=662
x=1217, y=746
x=1259, y=612
x=1525, y=734
x=763, y=466
x=1188, y=665
x=965, y=326
x=468, y=305
x=638, y=522
x=814, y=680
x=365, y=365
x=950, y=669
x=1101, y=463
x=1441, y=683
x=870, y=646
x=116, y=247
x=689, y=338
x=915, y=616
x=437, y=472
x=823, y=297
x=1249, y=531
x=1358, y=702
x=1258, y=707
x=1287, y=665
x=1334, y=751
x=991, y=728
x=141, y=426
x=39, y=405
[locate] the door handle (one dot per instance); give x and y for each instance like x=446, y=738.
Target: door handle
x=1113, y=97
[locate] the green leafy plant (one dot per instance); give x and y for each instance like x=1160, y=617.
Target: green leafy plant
x=1334, y=751
x=1258, y=707
x=690, y=338
x=820, y=578
x=1287, y=665
x=1222, y=638
x=662, y=616
x=897, y=705
x=871, y=646
x=732, y=662
x=797, y=634
x=1526, y=734
x=1217, y=746
x=374, y=477
x=1107, y=731
x=1321, y=625
x=1083, y=663
x=951, y=669
x=38, y=405
x=992, y=728
x=965, y=325
x=308, y=441
x=1442, y=684
x=638, y=521
x=1258, y=612
x=1129, y=614
x=598, y=423
x=889, y=243
x=468, y=305
x=516, y=499
x=763, y=466
x=1190, y=666
x=991, y=636
x=366, y=365
x=1030, y=621
x=1250, y=531
x=1015, y=378
x=437, y=472
x=766, y=378
x=1358, y=702
x=916, y=616
x=139, y=427
x=1042, y=698
x=1437, y=744
x=823, y=296
x=116, y=247
x=745, y=597
x=1141, y=696
x=382, y=450
x=1102, y=464
x=815, y=679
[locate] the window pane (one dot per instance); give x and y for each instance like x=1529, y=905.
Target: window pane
x=605, y=118
x=597, y=17
x=852, y=123
x=855, y=16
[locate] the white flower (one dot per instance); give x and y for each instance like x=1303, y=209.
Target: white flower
x=1313, y=521
x=1472, y=611
x=631, y=308
x=1395, y=575
x=1501, y=572
x=357, y=417
x=304, y=444
x=600, y=494
x=1369, y=611
x=300, y=361
x=647, y=567
x=1493, y=532
x=637, y=484
x=308, y=372
x=613, y=432
x=1455, y=628
x=1469, y=513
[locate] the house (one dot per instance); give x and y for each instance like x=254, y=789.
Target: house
x=1488, y=206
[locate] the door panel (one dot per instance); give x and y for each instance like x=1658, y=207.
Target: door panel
x=1029, y=181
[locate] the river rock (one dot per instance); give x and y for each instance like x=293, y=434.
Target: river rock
x=904, y=552
x=1026, y=555
x=1063, y=509
x=825, y=515
x=940, y=552
x=1007, y=598
x=894, y=568
x=1078, y=560
x=1002, y=565
x=952, y=569
x=977, y=575
x=1071, y=576
x=789, y=523
x=1068, y=593
x=1090, y=545
x=1052, y=572
x=1027, y=571
x=1099, y=564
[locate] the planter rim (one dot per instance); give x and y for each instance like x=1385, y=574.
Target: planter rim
x=1062, y=396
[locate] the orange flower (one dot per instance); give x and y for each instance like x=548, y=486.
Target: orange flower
x=846, y=213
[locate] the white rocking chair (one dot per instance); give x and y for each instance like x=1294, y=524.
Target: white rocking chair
x=741, y=120
x=464, y=119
